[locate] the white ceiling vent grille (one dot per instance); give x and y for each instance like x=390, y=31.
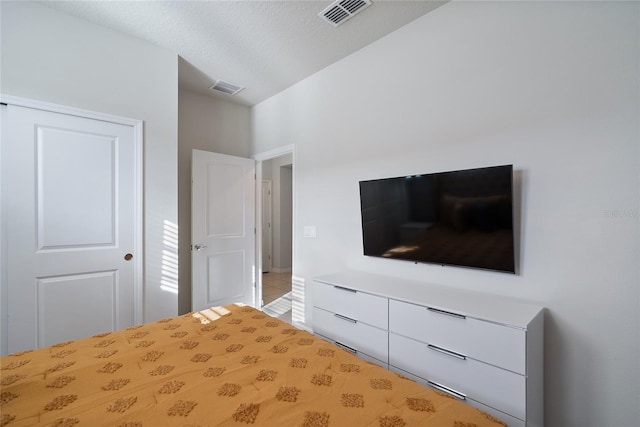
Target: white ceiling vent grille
x=340, y=11
x=226, y=87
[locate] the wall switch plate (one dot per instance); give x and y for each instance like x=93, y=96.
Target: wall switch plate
x=309, y=231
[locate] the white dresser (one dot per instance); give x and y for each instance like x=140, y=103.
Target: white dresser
x=484, y=349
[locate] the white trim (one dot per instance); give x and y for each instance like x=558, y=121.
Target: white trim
x=4, y=328
x=257, y=303
x=280, y=270
x=63, y=109
x=138, y=223
x=276, y=152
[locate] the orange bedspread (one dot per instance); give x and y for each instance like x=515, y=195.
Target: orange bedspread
x=228, y=366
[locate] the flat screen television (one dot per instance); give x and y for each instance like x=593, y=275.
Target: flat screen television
x=460, y=218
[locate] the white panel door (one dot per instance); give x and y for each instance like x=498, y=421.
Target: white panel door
x=69, y=206
x=222, y=230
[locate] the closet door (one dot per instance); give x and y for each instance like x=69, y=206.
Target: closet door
x=69, y=214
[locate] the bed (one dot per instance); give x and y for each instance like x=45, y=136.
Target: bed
x=225, y=366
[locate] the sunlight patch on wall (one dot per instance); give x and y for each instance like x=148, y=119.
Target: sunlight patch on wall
x=297, y=300
x=169, y=268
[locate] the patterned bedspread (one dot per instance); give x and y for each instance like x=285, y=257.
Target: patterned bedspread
x=226, y=366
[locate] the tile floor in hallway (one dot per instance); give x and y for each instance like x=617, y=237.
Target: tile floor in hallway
x=275, y=285
x=276, y=297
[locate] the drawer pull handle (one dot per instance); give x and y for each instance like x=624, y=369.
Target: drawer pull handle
x=447, y=313
x=345, y=289
x=447, y=390
x=447, y=352
x=348, y=319
x=346, y=347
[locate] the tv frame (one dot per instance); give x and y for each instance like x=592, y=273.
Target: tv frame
x=508, y=263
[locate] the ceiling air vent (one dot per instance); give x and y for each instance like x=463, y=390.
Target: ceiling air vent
x=226, y=87
x=340, y=11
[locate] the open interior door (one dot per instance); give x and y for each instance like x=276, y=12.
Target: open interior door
x=222, y=230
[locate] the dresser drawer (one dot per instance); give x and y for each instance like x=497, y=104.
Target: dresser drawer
x=511, y=421
x=356, y=305
x=358, y=336
x=487, y=384
x=495, y=344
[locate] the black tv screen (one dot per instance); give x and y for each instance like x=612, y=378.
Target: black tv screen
x=461, y=218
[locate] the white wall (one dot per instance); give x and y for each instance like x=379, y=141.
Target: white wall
x=551, y=87
x=209, y=124
x=53, y=57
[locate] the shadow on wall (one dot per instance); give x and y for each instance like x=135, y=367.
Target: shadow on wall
x=558, y=361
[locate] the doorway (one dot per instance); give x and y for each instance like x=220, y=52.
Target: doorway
x=275, y=243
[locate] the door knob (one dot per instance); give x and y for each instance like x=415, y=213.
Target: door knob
x=198, y=248
x=128, y=257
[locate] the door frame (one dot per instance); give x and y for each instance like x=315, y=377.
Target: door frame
x=259, y=158
x=138, y=221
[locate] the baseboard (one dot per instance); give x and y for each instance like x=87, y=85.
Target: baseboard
x=281, y=270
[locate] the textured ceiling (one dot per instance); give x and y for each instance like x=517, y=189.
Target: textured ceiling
x=265, y=46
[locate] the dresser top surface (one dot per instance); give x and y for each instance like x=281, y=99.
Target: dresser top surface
x=493, y=308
